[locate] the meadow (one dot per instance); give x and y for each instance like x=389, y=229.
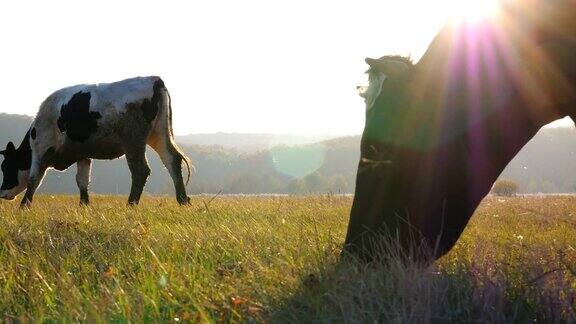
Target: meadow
x=275, y=259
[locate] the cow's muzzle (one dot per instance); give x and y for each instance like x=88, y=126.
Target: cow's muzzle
x=7, y=197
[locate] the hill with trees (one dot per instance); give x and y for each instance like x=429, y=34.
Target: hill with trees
x=547, y=164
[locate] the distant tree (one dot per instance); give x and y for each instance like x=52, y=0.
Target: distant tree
x=548, y=187
x=315, y=182
x=338, y=184
x=505, y=188
x=245, y=183
x=296, y=186
x=269, y=183
x=532, y=186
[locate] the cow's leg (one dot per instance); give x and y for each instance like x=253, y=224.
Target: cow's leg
x=172, y=160
x=83, y=168
x=140, y=170
x=37, y=173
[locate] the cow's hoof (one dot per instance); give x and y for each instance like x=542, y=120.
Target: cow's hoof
x=84, y=202
x=184, y=201
x=132, y=203
x=25, y=204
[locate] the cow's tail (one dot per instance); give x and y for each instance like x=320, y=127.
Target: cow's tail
x=170, y=133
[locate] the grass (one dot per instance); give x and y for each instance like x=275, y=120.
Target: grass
x=275, y=259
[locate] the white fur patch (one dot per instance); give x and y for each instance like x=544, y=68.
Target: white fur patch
x=372, y=91
x=22, y=184
x=104, y=96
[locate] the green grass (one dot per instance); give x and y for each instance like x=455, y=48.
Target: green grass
x=272, y=259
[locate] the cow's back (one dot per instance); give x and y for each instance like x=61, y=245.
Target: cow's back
x=105, y=95
x=87, y=120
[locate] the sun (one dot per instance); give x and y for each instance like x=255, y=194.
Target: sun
x=472, y=10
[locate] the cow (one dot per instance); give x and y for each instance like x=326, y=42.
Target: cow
x=439, y=132
x=96, y=121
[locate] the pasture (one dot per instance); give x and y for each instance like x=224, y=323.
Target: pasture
x=275, y=259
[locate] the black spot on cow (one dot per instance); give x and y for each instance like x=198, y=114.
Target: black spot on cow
x=10, y=174
x=76, y=119
x=33, y=133
x=15, y=160
x=150, y=106
x=9, y=168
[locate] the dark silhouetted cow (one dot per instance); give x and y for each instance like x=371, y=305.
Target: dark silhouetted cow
x=101, y=121
x=438, y=133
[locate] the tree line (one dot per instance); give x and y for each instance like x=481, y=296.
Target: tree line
x=547, y=164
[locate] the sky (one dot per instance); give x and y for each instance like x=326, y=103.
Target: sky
x=285, y=67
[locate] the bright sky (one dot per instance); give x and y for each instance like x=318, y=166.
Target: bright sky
x=231, y=66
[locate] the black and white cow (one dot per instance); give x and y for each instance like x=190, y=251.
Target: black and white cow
x=98, y=121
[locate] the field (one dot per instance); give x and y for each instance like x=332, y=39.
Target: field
x=275, y=259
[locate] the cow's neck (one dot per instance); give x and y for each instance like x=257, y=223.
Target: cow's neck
x=483, y=110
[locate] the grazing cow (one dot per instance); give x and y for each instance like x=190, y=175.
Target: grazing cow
x=100, y=121
x=438, y=133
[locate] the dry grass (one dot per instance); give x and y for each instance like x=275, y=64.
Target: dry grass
x=275, y=259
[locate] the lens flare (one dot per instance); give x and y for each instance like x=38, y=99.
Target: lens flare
x=298, y=161
x=472, y=10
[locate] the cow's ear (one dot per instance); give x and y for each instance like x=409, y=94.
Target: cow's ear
x=390, y=68
x=10, y=148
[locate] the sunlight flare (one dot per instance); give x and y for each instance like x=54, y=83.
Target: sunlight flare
x=472, y=10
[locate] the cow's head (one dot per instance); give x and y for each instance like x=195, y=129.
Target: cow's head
x=15, y=170
x=422, y=170
x=413, y=182
x=439, y=133
x=394, y=142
